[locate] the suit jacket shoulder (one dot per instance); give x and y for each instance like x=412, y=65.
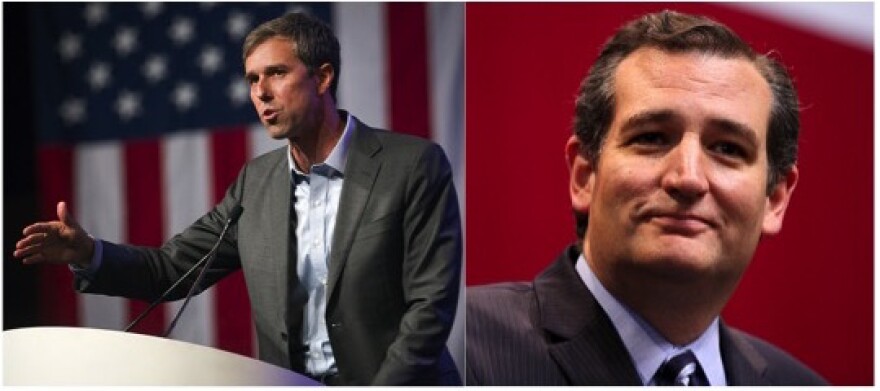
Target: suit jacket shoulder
x=749, y=360
x=404, y=152
x=268, y=160
x=548, y=332
x=504, y=346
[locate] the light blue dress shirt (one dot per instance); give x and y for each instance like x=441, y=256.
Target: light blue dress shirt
x=316, y=203
x=89, y=272
x=646, y=347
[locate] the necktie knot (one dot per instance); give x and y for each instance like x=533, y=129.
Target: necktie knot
x=681, y=370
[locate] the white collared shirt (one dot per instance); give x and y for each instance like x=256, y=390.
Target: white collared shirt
x=316, y=203
x=647, y=348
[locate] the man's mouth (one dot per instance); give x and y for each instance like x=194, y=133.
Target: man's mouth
x=681, y=223
x=269, y=115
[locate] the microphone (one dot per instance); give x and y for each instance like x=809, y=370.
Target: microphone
x=234, y=214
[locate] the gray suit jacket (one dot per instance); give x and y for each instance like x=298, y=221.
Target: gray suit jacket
x=553, y=332
x=394, y=269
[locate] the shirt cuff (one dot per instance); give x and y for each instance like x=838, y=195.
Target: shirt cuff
x=90, y=271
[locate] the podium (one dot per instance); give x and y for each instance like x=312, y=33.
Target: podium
x=93, y=357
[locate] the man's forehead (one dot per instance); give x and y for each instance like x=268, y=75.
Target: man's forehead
x=279, y=48
x=711, y=67
x=652, y=79
x=274, y=42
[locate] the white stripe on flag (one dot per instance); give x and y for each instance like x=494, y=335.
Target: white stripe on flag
x=260, y=141
x=849, y=22
x=101, y=212
x=185, y=179
x=363, y=88
x=446, y=77
x=446, y=73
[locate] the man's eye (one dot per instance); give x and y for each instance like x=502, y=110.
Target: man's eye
x=729, y=149
x=650, y=138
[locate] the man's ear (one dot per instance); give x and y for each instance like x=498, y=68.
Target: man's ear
x=325, y=76
x=581, y=176
x=777, y=202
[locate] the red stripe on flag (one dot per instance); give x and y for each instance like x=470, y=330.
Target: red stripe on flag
x=408, y=68
x=57, y=299
x=229, y=152
x=144, y=222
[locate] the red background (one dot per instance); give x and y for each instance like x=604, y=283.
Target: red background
x=808, y=290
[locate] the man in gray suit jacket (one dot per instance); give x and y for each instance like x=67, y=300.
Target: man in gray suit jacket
x=350, y=237
x=683, y=157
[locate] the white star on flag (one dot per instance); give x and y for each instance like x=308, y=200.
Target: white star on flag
x=151, y=9
x=73, y=111
x=99, y=75
x=181, y=31
x=210, y=60
x=95, y=13
x=125, y=40
x=155, y=68
x=70, y=46
x=238, y=91
x=185, y=96
x=237, y=25
x=128, y=105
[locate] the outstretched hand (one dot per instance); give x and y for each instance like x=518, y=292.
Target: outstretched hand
x=61, y=242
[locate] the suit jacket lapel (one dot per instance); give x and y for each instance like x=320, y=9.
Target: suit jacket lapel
x=587, y=348
x=583, y=341
x=743, y=365
x=281, y=215
x=361, y=169
x=282, y=245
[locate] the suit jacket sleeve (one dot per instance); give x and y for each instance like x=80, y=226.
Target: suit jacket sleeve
x=430, y=272
x=145, y=273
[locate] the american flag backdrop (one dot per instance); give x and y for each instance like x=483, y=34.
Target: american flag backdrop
x=144, y=119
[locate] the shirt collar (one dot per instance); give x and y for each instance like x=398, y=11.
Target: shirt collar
x=338, y=155
x=647, y=348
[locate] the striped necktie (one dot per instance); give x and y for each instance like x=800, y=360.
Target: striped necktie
x=681, y=370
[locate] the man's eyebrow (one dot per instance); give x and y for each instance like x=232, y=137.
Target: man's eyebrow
x=736, y=128
x=266, y=69
x=668, y=116
x=649, y=117
x=275, y=67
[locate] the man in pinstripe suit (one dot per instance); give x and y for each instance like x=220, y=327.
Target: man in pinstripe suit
x=683, y=157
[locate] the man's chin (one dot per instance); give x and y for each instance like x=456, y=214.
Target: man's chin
x=678, y=264
x=276, y=132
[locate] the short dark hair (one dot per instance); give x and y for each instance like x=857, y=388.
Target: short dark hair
x=315, y=42
x=675, y=32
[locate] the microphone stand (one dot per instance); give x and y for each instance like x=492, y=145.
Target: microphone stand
x=234, y=214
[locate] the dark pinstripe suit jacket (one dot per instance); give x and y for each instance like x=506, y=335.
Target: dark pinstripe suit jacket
x=553, y=332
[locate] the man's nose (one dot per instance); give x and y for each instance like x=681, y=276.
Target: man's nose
x=260, y=90
x=684, y=177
